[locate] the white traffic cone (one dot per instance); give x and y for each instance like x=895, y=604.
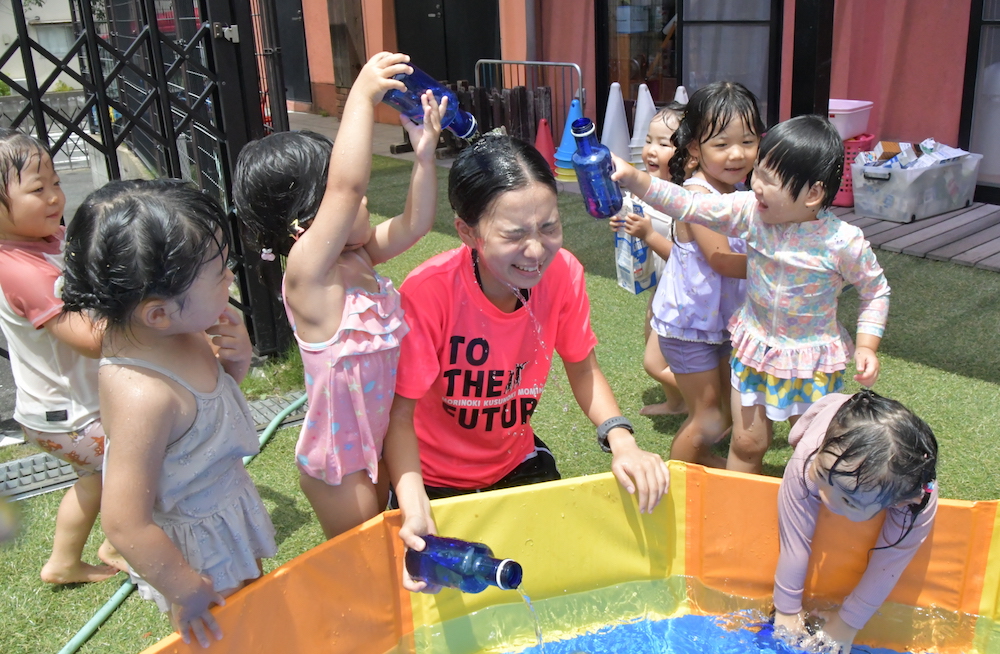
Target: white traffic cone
x=615, y=135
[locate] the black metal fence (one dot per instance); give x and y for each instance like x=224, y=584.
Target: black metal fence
x=177, y=84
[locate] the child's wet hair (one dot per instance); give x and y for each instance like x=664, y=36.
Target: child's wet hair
x=139, y=239
x=877, y=444
x=279, y=184
x=672, y=110
x=708, y=112
x=802, y=151
x=17, y=150
x=491, y=166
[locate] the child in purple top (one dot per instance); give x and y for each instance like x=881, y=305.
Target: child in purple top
x=860, y=456
x=703, y=285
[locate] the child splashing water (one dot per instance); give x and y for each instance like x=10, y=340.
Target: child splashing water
x=347, y=318
x=702, y=284
x=788, y=348
x=859, y=456
x=148, y=258
x=656, y=154
x=53, y=353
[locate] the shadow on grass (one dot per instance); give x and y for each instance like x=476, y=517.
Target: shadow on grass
x=941, y=315
x=285, y=515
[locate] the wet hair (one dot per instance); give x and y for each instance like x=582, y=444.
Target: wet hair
x=135, y=240
x=673, y=109
x=877, y=444
x=490, y=167
x=802, y=151
x=708, y=112
x=281, y=179
x=17, y=149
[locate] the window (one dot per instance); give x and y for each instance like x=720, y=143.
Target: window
x=57, y=38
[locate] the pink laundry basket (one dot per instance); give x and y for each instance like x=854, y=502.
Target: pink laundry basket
x=845, y=195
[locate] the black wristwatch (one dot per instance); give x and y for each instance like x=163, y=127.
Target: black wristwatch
x=608, y=425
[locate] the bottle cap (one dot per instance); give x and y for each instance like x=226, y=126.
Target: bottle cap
x=463, y=124
x=509, y=574
x=583, y=127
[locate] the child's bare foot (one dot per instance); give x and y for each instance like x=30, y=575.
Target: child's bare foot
x=79, y=573
x=663, y=409
x=110, y=556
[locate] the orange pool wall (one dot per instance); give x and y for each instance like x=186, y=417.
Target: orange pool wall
x=586, y=533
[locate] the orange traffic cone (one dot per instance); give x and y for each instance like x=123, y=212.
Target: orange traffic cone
x=544, y=144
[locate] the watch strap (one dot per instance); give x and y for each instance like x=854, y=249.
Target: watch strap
x=605, y=427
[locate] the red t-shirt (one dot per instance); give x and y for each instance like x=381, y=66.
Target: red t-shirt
x=477, y=372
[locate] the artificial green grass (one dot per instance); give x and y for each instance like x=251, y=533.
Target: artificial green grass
x=939, y=357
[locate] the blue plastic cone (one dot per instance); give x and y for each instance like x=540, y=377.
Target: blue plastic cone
x=615, y=136
x=568, y=144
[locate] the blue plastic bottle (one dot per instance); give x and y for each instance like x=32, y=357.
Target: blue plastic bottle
x=462, y=123
x=469, y=567
x=593, y=166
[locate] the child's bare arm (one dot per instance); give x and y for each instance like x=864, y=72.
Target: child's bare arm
x=398, y=234
x=315, y=254
x=720, y=257
x=78, y=331
x=134, y=466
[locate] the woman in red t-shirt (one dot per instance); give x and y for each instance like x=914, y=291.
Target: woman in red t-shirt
x=484, y=321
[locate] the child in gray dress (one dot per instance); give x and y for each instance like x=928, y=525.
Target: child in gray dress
x=148, y=258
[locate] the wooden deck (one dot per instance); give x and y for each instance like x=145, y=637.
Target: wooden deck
x=969, y=236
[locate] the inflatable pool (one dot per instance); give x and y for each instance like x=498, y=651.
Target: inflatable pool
x=591, y=560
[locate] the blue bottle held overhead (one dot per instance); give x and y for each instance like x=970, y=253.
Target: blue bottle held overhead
x=469, y=567
x=593, y=166
x=462, y=123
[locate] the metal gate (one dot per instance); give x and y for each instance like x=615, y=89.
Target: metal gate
x=178, y=85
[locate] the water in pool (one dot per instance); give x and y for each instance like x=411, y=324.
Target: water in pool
x=689, y=634
x=659, y=617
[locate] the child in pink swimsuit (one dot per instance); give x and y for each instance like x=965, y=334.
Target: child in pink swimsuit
x=347, y=318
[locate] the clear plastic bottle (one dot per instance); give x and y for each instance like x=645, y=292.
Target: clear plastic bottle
x=593, y=166
x=469, y=567
x=407, y=102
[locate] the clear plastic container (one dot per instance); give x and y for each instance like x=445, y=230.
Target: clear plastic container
x=904, y=195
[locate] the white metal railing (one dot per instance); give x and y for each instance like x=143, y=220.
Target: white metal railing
x=557, y=75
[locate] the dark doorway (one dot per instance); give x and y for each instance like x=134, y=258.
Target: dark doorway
x=292, y=37
x=445, y=38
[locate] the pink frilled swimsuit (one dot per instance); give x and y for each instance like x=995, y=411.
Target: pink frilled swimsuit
x=350, y=382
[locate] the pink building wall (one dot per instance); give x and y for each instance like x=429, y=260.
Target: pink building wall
x=906, y=56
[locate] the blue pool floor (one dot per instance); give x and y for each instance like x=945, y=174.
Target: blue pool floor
x=689, y=634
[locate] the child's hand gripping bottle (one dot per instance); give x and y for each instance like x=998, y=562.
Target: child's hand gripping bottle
x=592, y=162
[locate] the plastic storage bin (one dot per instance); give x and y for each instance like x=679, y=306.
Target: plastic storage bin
x=902, y=195
x=845, y=194
x=850, y=117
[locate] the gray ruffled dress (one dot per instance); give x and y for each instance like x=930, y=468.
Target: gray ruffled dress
x=206, y=502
